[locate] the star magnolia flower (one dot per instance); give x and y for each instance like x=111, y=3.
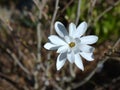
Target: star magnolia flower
x=72, y=45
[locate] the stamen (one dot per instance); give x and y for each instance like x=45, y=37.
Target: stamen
x=72, y=44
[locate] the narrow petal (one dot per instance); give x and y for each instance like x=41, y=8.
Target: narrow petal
x=81, y=29
x=56, y=40
x=67, y=39
x=86, y=48
x=89, y=39
x=72, y=28
x=60, y=29
x=61, y=60
x=71, y=56
x=62, y=49
x=51, y=46
x=78, y=62
x=87, y=56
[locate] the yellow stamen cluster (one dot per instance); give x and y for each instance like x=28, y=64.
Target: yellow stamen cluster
x=72, y=44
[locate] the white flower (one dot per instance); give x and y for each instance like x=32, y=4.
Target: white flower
x=72, y=45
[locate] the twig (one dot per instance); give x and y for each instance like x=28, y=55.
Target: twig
x=7, y=24
x=39, y=41
x=54, y=16
x=66, y=6
x=39, y=38
x=37, y=3
x=113, y=81
x=15, y=84
x=106, y=10
x=78, y=12
x=56, y=85
x=17, y=61
x=71, y=71
x=101, y=62
x=118, y=41
x=40, y=5
x=92, y=5
x=115, y=58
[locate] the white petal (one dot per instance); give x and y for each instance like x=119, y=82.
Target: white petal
x=51, y=46
x=78, y=62
x=89, y=39
x=67, y=39
x=87, y=56
x=62, y=49
x=81, y=29
x=56, y=40
x=61, y=60
x=86, y=48
x=60, y=29
x=72, y=28
x=71, y=56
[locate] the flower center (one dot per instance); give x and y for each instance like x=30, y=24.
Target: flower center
x=72, y=44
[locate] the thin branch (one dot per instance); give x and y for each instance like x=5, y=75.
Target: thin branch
x=10, y=52
x=92, y=5
x=107, y=10
x=66, y=6
x=118, y=42
x=17, y=61
x=7, y=24
x=54, y=16
x=38, y=63
x=37, y=3
x=78, y=12
x=113, y=81
x=56, y=85
x=39, y=42
x=72, y=71
x=13, y=83
x=39, y=38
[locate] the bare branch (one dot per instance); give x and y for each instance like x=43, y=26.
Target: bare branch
x=54, y=16
x=40, y=6
x=37, y=3
x=72, y=71
x=106, y=10
x=13, y=83
x=117, y=43
x=66, y=6
x=78, y=12
x=17, y=61
x=7, y=24
x=92, y=5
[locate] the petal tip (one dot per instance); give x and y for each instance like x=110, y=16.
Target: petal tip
x=82, y=69
x=96, y=38
x=58, y=69
x=56, y=24
x=84, y=22
x=45, y=46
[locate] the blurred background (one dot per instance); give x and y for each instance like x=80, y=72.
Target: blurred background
x=24, y=28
